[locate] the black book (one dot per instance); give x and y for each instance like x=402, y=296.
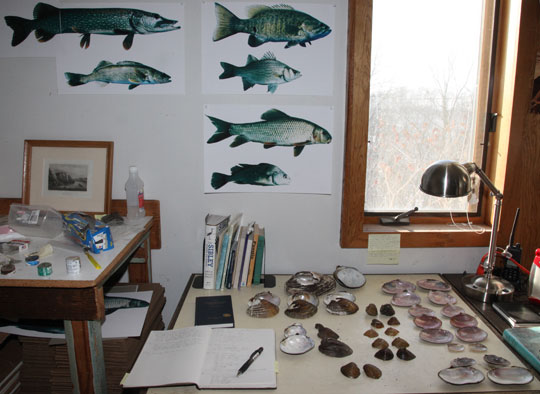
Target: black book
x=214, y=311
x=518, y=314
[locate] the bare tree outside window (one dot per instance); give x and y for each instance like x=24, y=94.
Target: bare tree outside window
x=423, y=99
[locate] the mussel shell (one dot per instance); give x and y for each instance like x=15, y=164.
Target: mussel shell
x=436, y=335
x=303, y=295
x=334, y=348
x=342, y=306
x=478, y=347
x=461, y=375
x=451, y=310
x=433, y=284
x=397, y=286
x=325, y=332
x=405, y=354
x=350, y=370
x=441, y=297
x=371, y=333
x=265, y=295
x=405, y=298
x=400, y=343
x=372, y=371
x=334, y=296
x=296, y=344
x=262, y=308
x=371, y=310
x=349, y=277
x=294, y=329
x=376, y=323
x=496, y=361
x=418, y=310
x=510, y=375
x=456, y=347
x=462, y=362
x=385, y=354
x=379, y=343
x=463, y=320
x=301, y=309
x=312, y=282
x=426, y=321
x=471, y=334
x=387, y=310
x=393, y=321
x=391, y=332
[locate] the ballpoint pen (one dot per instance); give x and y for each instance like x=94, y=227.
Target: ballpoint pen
x=250, y=360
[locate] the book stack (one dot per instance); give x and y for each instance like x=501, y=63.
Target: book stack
x=10, y=364
x=233, y=253
x=46, y=362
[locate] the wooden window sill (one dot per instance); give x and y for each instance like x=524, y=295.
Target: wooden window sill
x=428, y=235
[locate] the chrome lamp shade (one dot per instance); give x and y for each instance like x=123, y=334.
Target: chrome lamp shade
x=450, y=179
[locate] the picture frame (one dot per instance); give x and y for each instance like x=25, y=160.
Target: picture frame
x=68, y=175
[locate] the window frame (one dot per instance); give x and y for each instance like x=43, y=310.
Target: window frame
x=356, y=225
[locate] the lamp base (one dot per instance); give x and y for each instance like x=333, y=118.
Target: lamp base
x=480, y=288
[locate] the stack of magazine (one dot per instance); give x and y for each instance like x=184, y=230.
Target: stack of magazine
x=233, y=252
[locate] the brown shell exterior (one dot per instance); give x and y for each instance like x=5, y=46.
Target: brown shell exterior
x=263, y=308
x=371, y=310
x=334, y=348
x=324, y=285
x=379, y=343
x=371, y=333
x=325, y=332
x=387, y=310
x=342, y=306
x=350, y=370
x=372, y=371
x=391, y=331
x=400, y=343
x=376, y=323
x=301, y=309
x=405, y=354
x=384, y=354
x=393, y=321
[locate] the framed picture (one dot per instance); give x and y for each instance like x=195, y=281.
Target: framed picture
x=68, y=175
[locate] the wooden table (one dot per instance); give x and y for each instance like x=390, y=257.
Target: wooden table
x=76, y=299
x=317, y=373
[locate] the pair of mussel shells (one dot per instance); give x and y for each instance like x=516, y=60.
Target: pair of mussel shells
x=301, y=304
x=311, y=282
x=341, y=303
x=296, y=340
x=351, y=370
x=264, y=304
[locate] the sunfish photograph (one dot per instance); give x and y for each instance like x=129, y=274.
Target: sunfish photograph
x=68, y=177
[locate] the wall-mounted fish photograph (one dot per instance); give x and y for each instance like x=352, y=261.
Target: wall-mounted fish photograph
x=257, y=148
x=298, y=35
x=124, y=317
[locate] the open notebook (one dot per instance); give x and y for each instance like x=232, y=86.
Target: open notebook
x=209, y=358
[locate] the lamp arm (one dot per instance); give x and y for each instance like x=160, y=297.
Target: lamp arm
x=472, y=167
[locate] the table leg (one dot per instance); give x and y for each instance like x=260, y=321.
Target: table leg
x=140, y=264
x=86, y=358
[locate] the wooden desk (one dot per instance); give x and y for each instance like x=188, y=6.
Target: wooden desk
x=78, y=300
x=317, y=373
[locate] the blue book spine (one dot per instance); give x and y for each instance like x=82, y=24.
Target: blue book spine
x=221, y=262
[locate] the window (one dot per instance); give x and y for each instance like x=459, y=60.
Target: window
x=357, y=224
x=427, y=90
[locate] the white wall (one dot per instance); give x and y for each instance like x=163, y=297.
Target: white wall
x=162, y=135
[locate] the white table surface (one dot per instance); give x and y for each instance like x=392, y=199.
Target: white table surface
x=314, y=372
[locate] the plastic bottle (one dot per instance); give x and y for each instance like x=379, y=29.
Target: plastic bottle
x=134, y=195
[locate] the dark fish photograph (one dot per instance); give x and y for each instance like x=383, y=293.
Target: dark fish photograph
x=286, y=46
x=256, y=148
x=264, y=71
x=47, y=21
x=125, y=72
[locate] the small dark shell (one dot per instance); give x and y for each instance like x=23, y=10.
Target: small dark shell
x=400, y=343
x=379, y=343
x=385, y=354
x=301, y=309
x=371, y=333
x=387, y=310
x=334, y=348
x=350, y=370
x=391, y=331
x=372, y=371
x=393, y=321
x=405, y=354
x=376, y=323
x=325, y=332
x=371, y=310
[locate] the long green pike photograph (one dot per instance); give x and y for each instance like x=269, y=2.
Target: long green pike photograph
x=278, y=23
x=49, y=21
x=276, y=129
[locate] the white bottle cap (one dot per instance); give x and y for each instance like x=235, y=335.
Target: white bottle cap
x=133, y=169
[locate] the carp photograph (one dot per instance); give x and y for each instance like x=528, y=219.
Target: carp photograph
x=260, y=148
x=267, y=48
x=116, y=33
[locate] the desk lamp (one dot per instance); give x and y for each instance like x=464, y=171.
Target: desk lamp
x=450, y=179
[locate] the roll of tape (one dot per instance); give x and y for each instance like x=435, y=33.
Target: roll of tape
x=44, y=269
x=73, y=264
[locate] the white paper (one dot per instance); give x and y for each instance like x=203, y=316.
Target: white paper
x=383, y=249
